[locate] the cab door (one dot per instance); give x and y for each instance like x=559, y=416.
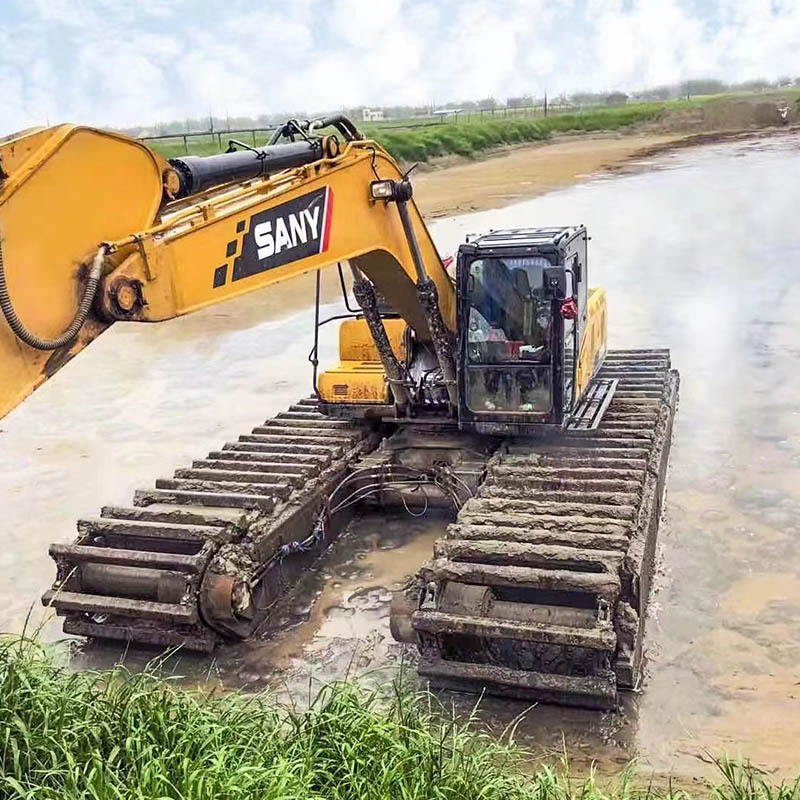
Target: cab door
x=507, y=340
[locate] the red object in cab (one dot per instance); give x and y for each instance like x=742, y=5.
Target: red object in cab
x=569, y=308
x=513, y=349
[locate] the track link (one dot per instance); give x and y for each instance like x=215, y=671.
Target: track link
x=197, y=558
x=539, y=589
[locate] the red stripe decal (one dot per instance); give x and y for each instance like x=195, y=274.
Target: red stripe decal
x=328, y=214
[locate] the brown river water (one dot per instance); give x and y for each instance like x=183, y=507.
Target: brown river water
x=698, y=251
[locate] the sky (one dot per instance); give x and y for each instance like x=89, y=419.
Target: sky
x=138, y=62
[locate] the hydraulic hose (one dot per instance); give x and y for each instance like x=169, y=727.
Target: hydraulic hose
x=31, y=339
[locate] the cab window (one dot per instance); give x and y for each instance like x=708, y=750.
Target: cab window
x=510, y=316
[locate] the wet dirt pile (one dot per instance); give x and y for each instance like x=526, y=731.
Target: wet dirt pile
x=724, y=115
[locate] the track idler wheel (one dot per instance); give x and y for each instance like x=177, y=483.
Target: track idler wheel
x=404, y=604
x=227, y=605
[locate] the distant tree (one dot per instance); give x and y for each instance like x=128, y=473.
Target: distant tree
x=656, y=93
x=661, y=92
x=587, y=98
x=702, y=86
x=756, y=85
x=616, y=99
x=487, y=103
x=524, y=101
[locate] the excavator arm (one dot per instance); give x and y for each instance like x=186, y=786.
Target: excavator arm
x=96, y=227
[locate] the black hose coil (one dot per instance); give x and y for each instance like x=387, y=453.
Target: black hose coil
x=31, y=339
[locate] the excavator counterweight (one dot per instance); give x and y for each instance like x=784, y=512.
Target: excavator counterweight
x=491, y=393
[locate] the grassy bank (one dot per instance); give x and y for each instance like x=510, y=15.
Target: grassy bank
x=448, y=138
x=423, y=139
x=468, y=139
x=113, y=735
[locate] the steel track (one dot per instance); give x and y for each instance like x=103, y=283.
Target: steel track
x=539, y=589
x=196, y=559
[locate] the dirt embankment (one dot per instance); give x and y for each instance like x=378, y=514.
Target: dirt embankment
x=747, y=113
x=512, y=174
x=456, y=185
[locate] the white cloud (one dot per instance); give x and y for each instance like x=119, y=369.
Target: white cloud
x=123, y=62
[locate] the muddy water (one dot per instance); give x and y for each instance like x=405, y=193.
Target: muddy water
x=698, y=251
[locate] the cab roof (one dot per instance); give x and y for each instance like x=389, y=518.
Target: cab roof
x=527, y=237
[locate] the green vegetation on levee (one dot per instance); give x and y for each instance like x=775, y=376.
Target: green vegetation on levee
x=453, y=138
x=66, y=735
x=469, y=138
x=421, y=139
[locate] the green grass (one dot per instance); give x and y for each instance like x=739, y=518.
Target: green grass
x=203, y=145
x=447, y=138
x=469, y=138
x=471, y=133
x=116, y=735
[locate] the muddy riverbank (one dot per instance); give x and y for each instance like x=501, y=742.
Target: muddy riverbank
x=508, y=175
x=697, y=249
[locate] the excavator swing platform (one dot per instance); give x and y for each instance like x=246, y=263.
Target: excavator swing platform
x=491, y=394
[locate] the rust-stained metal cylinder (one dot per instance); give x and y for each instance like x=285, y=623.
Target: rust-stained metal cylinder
x=476, y=600
x=138, y=583
x=566, y=616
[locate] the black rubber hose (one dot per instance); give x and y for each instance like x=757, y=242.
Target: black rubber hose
x=31, y=339
x=342, y=124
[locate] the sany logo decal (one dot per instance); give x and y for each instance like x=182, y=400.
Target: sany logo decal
x=289, y=232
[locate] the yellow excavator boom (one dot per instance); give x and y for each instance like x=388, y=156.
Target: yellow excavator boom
x=67, y=191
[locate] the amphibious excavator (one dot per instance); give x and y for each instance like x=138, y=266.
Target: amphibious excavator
x=489, y=393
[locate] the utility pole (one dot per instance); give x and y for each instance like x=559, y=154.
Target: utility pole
x=545, y=101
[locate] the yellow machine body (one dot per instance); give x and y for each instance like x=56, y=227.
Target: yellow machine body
x=594, y=340
x=359, y=376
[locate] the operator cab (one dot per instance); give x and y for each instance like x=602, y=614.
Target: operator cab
x=522, y=313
